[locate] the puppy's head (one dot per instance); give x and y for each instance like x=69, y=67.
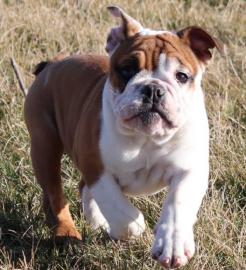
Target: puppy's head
x=154, y=74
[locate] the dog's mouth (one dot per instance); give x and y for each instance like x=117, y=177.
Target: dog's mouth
x=151, y=116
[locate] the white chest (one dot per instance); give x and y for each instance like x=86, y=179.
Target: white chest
x=144, y=181
x=140, y=169
x=143, y=166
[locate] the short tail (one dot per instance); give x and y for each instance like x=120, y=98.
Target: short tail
x=39, y=67
x=42, y=65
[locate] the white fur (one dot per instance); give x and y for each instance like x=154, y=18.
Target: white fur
x=125, y=221
x=151, y=32
x=140, y=164
x=92, y=212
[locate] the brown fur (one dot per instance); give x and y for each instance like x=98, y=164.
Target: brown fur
x=200, y=42
x=63, y=95
x=147, y=50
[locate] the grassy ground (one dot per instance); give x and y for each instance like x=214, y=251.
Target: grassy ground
x=34, y=30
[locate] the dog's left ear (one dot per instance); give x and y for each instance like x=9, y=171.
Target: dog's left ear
x=128, y=27
x=200, y=42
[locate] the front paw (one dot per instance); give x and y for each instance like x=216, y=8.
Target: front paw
x=173, y=247
x=127, y=228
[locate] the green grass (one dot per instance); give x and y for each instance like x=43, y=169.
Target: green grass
x=35, y=30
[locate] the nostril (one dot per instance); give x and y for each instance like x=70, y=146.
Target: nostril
x=152, y=93
x=160, y=92
x=147, y=91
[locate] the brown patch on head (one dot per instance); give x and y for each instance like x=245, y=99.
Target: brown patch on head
x=131, y=52
x=143, y=53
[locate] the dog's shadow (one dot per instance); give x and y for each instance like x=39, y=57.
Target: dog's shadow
x=25, y=240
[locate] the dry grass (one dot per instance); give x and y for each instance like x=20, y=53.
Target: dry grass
x=34, y=30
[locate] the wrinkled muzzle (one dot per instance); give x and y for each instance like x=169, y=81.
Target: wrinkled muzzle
x=151, y=108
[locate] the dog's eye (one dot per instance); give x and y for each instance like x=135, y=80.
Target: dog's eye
x=182, y=77
x=127, y=71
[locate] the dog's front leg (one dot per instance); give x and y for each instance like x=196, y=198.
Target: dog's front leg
x=125, y=221
x=174, y=241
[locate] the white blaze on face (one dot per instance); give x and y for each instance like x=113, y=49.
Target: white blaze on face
x=182, y=93
x=151, y=32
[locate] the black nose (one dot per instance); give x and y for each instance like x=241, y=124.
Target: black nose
x=152, y=93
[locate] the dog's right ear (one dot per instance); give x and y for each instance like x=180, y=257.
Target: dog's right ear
x=128, y=27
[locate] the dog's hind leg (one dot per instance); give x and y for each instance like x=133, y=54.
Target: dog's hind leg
x=46, y=153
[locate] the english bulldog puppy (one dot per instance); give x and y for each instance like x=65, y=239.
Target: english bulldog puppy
x=133, y=122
